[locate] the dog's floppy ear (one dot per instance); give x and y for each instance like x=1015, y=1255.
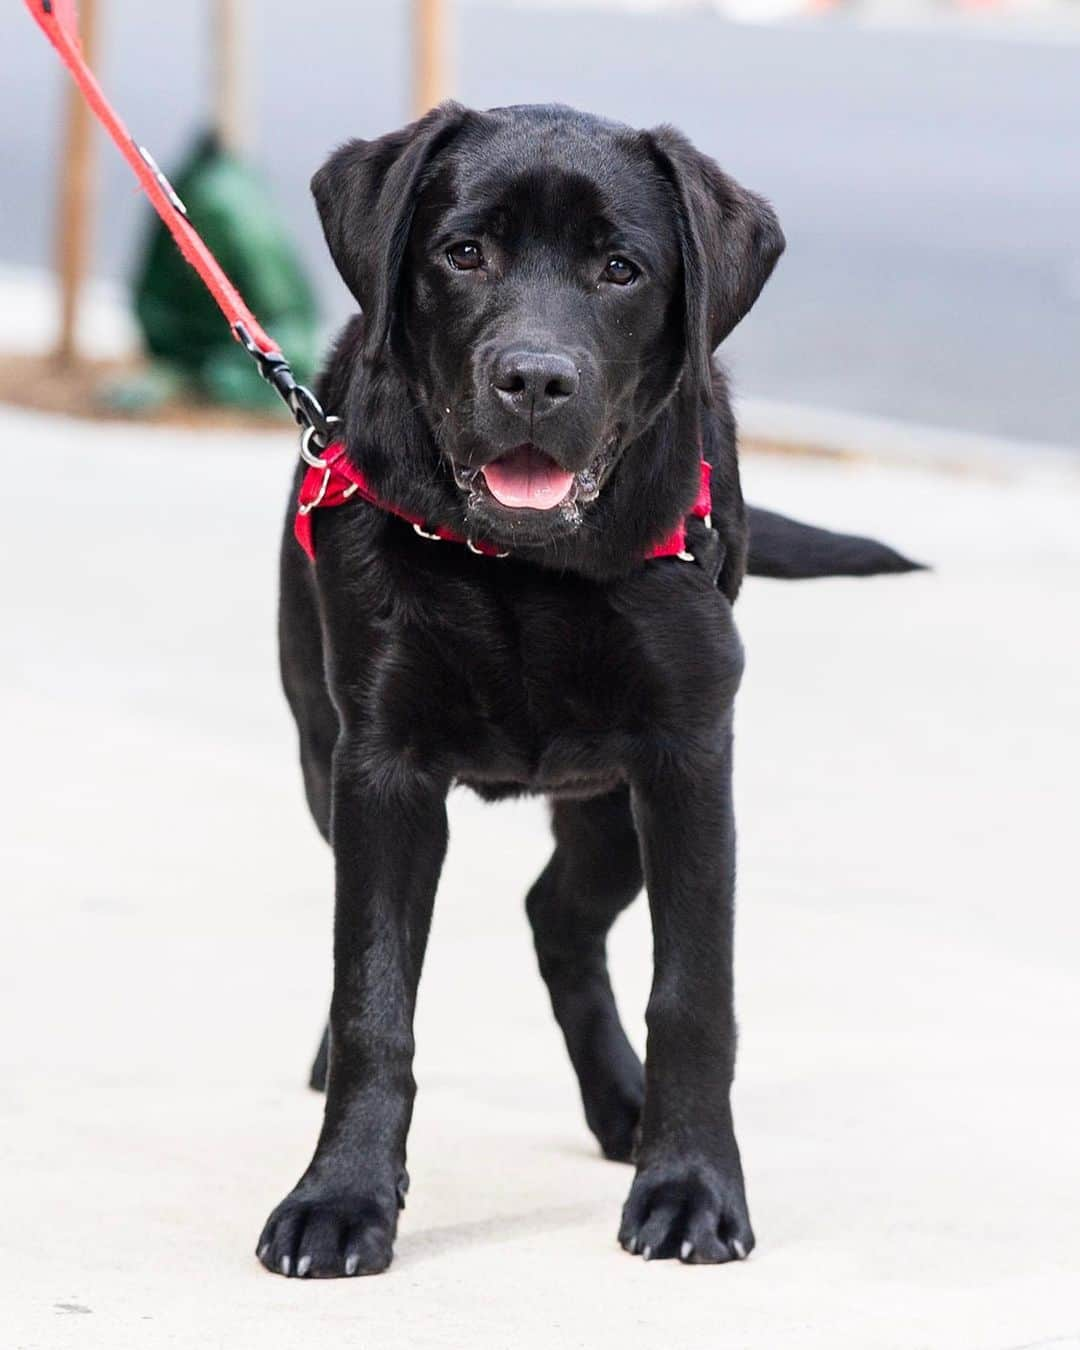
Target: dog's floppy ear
x=366, y=196
x=730, y=240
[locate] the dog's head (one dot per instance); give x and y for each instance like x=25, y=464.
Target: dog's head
x=545, y=281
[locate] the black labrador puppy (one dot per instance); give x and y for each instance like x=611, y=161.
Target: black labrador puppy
x=542, y=292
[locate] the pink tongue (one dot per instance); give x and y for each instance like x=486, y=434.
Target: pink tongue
x=527, y=477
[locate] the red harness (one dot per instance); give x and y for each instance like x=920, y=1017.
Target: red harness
x=333, y=481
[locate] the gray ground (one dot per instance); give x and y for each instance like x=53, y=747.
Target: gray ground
x=927, y=179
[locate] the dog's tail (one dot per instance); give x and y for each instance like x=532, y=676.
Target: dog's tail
x=787, y=549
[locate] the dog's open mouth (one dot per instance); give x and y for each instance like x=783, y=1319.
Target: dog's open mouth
x=527, y=479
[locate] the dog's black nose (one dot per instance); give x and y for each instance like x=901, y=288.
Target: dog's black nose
x=534, y=384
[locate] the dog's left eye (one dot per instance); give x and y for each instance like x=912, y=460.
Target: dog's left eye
x=620, y=272
x=466, y=256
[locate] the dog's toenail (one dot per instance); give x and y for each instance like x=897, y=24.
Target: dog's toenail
x=263, y=1250
x=739, y=1250
x=303, y=1266
x=686, y=1251
x=352, y=1264
x=631, y=1246
x=285, y=1265
x=647, y=1253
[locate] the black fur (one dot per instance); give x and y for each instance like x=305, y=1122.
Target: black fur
x=571, y=668
x=792, y=551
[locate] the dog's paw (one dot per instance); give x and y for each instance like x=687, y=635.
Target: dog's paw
x=325, y=1236
x=695, y=1213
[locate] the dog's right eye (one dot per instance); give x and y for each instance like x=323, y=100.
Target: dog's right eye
x=620, y=272
x=466, y=256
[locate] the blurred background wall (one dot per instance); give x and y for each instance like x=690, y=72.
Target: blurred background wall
x=923, y=162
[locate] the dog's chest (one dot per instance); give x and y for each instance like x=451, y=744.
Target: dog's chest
x=547, y=684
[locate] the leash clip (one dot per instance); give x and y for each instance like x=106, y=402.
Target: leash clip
x=297, y=397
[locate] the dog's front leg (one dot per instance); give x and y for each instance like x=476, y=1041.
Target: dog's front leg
x=389, y=837
x=687, y=1199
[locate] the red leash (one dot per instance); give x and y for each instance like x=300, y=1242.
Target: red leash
x=330, y=479
x=58, y=20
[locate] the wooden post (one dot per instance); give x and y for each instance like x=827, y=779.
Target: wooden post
x=74, y=219
x=431, y=65
x=229, y=85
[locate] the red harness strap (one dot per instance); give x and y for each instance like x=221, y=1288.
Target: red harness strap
x=336, y=481
x=674, y=546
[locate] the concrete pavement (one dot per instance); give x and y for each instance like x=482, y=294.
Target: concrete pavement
x=907, y=940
